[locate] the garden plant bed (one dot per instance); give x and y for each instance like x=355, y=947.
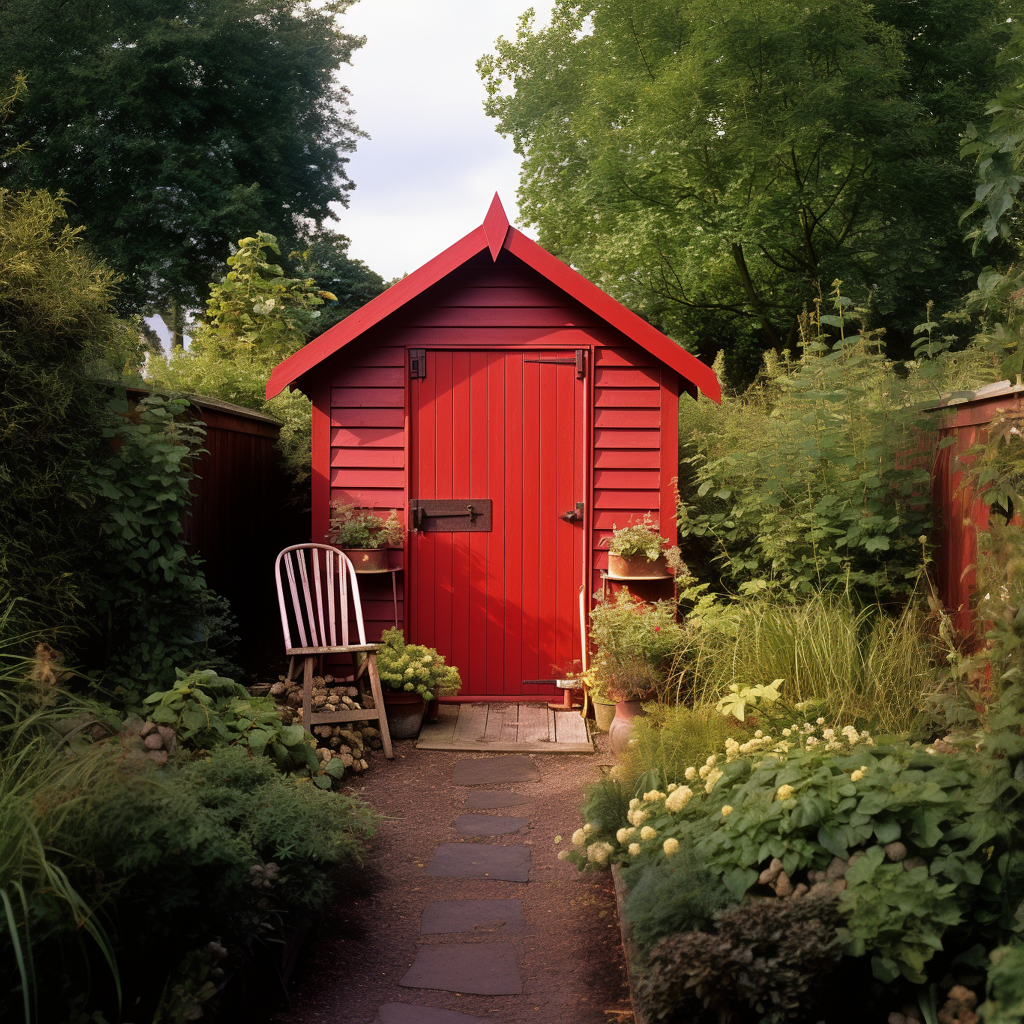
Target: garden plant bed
x=566, y=947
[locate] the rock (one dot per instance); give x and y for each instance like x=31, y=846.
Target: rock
x=346, y=758
x=962, y=994
x=914, y=862
x=154, y=741
x=815, y=877
x=323, y=731
x=820, y=890
x=277, y=689
x=839, y=885
x=149, y=727
x=294, y=699
x=896, y=851
x=783, y=886
x=836, y=868
x=771, y=872
x=799, y=891
x=324, y=753
x=328, y=679
x=897, y=1018
x=159, y=756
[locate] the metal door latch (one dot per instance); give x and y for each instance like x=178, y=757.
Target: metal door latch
x=573, y=514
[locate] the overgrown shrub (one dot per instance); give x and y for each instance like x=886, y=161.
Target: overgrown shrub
x=58, y=336
x=769, y=960
x=1005, y=1003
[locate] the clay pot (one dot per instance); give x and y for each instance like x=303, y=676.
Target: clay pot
x=368, y=559
x=636, y=566
x=404, y=712
x=603, y=715
x=623, y=723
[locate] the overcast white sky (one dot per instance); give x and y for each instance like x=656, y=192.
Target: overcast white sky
x=427, y=174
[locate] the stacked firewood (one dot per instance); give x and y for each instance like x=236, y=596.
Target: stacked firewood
x=350, y=741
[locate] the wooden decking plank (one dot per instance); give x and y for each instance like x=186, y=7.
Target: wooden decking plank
x=570, y=728
x=443, y=729
x=496, y=714
x=508, y=748
x=470, y=726
x=510, y=727
x=533, y=724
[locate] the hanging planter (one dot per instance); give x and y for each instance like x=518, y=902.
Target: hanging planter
x=363, y=536
x=367, y=559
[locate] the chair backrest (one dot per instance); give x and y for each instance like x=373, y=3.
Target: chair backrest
x=315, y=583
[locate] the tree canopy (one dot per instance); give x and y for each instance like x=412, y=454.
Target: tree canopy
x=176, y=127
x=711, y=162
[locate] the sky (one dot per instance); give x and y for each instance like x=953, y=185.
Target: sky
x=426, y=175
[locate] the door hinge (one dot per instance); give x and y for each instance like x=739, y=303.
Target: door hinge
x=417, y=364
x=580, y=362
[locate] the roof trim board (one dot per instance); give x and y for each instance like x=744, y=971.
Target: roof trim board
x=494, y=235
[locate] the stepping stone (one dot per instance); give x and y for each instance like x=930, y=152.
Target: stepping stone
x=471, y=915
x=491, y=799
x=488, y=824
x=488, y=771
x=479, y=860
x=475, y=968
x=406, y=1013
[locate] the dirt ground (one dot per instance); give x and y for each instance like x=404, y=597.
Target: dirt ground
x=569, y=955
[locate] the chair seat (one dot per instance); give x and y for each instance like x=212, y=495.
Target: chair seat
x=293, y=652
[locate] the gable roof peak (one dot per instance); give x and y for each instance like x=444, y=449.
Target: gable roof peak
x=496, y=227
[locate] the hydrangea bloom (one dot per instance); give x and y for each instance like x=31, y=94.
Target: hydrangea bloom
x=579, y=838
x=784, y=792
x=622, y=836
x=634, y=849
x=689, y=774
x=647, y=833
x=678, y=799
x=726, y=810
x=671, y=847
x=598, y=853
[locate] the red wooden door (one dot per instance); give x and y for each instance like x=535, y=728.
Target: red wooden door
x=509, y=426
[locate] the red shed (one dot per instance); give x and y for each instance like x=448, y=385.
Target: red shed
x=486, y=396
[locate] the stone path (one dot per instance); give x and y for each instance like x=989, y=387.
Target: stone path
x=475, y=920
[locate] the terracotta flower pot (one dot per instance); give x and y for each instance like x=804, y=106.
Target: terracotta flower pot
x=626, y=711
x=405, y=713
x=633, y=566
x=368, y=559
x=603, y=715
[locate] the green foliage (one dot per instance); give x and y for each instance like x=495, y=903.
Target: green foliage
x=852, y=665
x=207, y=711
x=415, y=668
x=808, y=480
x=57, y=333
x=769, y=960
x=708, y=162
x=255, y=317
x=176, y=128
x=635, y=643
x=353, y=527
x=637, y=539
x=667, y=897
x=158, y=612
x=1005, y=1003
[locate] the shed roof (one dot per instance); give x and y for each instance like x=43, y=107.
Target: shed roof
x=494, y=235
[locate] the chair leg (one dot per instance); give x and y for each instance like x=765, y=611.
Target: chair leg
x=291, y=670
x=307, y=692
x=378, y=703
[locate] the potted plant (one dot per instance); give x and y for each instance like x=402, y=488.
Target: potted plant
x=637, y=550
x=411, y=675
x=636, y=643
x=596, y=687
x=364, y=536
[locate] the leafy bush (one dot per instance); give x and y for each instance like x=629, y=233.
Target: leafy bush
x=635, y=642
x=58, y=334
x=157, y=609
x=1005, y=1003
x=667, y=897
x=768, y=960
x=207, y=711
x=415, y=668
x=807, y=480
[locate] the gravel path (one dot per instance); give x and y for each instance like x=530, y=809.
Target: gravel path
x=566, y=947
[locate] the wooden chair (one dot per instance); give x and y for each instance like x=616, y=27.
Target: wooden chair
x=314, y=585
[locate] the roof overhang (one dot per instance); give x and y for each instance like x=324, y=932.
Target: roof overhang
x=494, y=235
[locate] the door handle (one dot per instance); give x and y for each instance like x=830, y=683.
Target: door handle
x=573, y=514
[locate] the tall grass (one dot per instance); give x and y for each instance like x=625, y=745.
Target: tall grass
x=858, y=665
x=40, y=784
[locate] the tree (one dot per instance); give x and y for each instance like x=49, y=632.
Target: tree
x=175, y=125
x=711, y=162
x=255, y=317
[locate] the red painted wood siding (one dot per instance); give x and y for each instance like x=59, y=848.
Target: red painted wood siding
x=361, y=448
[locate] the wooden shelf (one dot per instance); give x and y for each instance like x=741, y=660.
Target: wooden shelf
x=605, y=575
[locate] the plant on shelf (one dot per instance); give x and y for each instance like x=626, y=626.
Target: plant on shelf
x=637, y=550
x=358, y=528
x=414, y=668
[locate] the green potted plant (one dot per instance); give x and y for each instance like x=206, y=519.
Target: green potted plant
x=637, y=550
x=635, y=644
x=364, y=536
x=411, y=675
x=596, y=687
